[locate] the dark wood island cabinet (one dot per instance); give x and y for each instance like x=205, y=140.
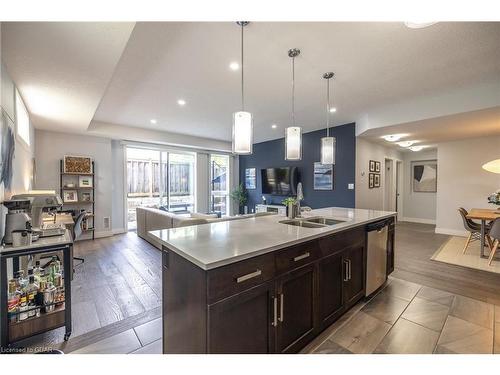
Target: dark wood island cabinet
x=272, y=303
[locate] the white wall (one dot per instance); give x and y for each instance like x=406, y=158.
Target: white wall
x=366, y=151
x=22, y=164
x=461, y=180
x=51, y=148
x=417, y=207
x=118, y=224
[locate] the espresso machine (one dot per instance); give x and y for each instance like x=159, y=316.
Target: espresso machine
x=17, y=217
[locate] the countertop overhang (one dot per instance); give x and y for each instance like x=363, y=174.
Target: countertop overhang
x=221, y=243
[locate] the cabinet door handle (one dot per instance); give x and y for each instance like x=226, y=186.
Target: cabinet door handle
x=350, y=268
x=248, y=276
x=303, y=256
x=275, y=312
x=346, y=270
x=280, y=318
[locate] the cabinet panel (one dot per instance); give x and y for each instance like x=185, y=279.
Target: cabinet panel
x=354, y=286
x=330, y=296
x=243, y=323
x=297, y=256
x=390, y=250
x=296, y=310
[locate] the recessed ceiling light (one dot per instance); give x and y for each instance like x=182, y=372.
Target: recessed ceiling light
x=333, y=109
x=393, y=137
x=234, y=66
x=181, y=102
x=416, y=148
x=153, y=121
x=406, y=143
x=274, y=126
x=419, y=25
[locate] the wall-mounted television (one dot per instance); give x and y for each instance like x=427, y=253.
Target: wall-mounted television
x=280, y=181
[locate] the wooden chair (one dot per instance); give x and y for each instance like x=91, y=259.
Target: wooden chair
x=474, y=230
x=494, y=233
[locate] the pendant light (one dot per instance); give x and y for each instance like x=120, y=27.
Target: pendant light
x=293, y=134
x=242, y=120
x=328, y=144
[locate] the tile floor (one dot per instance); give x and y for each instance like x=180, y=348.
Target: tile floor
x=404, y=318
x=407, y=318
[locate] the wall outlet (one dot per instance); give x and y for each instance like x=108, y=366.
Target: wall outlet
x=106, y=221
x=350, y=186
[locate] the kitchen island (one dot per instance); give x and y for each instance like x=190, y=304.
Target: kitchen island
x=264, y=284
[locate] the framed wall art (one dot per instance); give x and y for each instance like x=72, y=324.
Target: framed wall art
x=371, y=180
x=70, y=196
x=250, y=179
x=323, y=176
x=377, y=167
x=424, y=176
x=376, y=180
x=85, y=181
x=78, y=164
x=371, y=166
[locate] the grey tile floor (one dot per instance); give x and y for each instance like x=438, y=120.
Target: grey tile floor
x=404, y=318
x=407, y=318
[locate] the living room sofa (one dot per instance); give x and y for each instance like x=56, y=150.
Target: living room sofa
x=149, y=219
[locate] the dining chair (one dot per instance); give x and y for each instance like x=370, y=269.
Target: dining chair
x=494, y=233
x=474, y=230
x=77, y=232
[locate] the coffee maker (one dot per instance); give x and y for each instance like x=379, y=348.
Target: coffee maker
x=17, y=217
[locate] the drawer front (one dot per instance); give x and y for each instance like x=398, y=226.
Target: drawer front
x=235, y=278
x=297, y=256
x=339, y=241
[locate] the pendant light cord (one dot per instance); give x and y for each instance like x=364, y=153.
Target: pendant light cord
x=242, y=81
x=328, y=107
x=293, y=90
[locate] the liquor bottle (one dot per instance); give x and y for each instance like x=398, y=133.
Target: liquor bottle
x=12, y=300
x=32, y=291
x=23, y=306
x=37, y=272
x=22, y=282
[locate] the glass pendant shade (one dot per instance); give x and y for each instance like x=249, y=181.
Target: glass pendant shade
x=328, y=147
x=242, y=133
x=293, y=143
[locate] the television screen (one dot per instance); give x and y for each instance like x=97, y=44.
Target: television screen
x=279, y=181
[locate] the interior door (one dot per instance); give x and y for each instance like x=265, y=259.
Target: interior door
x=330, y=280
x=296, y=309
x=354, y=275
x=244, y=323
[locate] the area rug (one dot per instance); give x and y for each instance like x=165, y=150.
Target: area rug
x=451, y=252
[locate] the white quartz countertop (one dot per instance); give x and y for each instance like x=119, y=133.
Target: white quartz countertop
x=64, y=239
x=221, y=243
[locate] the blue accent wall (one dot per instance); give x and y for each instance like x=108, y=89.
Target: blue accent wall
x=272, y=154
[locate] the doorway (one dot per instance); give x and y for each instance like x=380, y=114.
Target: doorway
x=392, y=186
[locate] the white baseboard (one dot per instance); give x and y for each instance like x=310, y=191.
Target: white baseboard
x=102, y=234
x=451, y=232
x=119, y=231
x=418, y=220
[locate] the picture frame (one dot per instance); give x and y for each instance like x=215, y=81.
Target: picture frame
x=85, y=181
x=250, y=179
x=377, y=167
x=78, y=164
x=371, y=166
x=376, y=180
x=323, y=176
x=424, y=176
x=371, y=180
x=70, y=196
x=86, y=197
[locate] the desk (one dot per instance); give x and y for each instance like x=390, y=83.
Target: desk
x=11, y=332
x=484, y=215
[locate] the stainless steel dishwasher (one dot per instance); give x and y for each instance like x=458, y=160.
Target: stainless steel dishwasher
x=376, y=262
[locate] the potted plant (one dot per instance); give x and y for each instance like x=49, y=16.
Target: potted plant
x=240, y=196
x=290, y=204
x=494, y=198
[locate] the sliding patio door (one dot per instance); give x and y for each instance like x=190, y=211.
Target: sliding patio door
x=219, y=184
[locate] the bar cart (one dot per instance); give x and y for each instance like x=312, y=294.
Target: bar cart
x=53, y=315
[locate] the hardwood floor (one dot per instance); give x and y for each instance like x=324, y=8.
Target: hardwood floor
x=416, y=243
x=119, y=281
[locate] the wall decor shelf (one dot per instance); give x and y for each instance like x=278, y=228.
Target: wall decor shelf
x=76, y=204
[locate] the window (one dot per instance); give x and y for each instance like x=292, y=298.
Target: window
x=219, y=184
x=22, y=119
x=159, y=178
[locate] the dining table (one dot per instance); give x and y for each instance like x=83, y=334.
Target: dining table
x=484, y=215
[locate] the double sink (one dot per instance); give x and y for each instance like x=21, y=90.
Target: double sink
x=312, y=222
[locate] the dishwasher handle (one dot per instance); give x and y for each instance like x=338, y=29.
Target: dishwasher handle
x=377, y=226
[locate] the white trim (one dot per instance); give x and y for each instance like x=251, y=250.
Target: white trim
x=418, y=220
x=118, y=231
x=451, y=232
x=101, y=234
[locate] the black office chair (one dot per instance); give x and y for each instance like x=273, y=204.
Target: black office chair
x=77, y=232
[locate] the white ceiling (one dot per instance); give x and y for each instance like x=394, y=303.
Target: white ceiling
x=62, y=69
x=376, y=64
x=429, y=133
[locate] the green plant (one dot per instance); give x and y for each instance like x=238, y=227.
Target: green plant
x=240, y=195
x=289, y=200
